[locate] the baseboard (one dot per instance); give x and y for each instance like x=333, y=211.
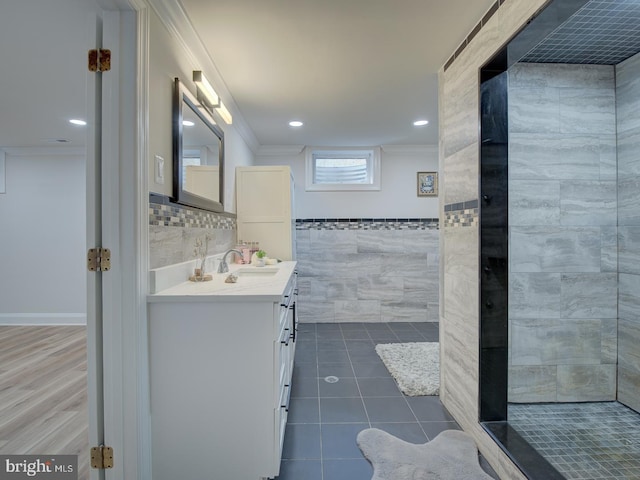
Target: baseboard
x=43, y=319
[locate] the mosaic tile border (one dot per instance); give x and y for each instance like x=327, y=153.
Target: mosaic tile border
x=367, y=224
x=462, y=214
x=163, y=212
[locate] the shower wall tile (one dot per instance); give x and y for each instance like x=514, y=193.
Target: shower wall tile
x=629, y=297
x=555, y=342
x=608, y=157
x=589, y=295
x=537, y=75
x=627, y=88
x=371, y=271
x=534, y=295
x=532, y=384
x=588, y=203
x=629, y=200
x=628, y=91
x=629, y=152
x=629, y=249
x=629, y=357
x=536, y=156
x=628, y=387
x=588, y=110
x=534, y=110
x=571, y=237
x=534, y=202
x=609, y=341
x=609, y=249
x=555, y=249
x=586, y=383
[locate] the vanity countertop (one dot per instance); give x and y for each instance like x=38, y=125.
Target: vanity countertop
x=253, y=284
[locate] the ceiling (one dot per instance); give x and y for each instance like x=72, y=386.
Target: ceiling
x=356, y=72
x=43, y=49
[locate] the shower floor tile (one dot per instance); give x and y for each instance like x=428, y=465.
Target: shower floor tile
x=583, y=441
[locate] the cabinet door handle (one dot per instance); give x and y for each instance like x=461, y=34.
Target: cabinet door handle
x=285, y=342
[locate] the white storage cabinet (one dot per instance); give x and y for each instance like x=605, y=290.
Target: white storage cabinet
x=265, y=209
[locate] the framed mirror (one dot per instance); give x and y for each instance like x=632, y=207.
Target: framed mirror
x=198, y=153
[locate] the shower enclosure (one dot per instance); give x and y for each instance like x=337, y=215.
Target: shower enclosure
x=560, y=242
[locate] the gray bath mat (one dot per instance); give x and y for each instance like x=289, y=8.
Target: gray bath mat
x=415, y=366
x=452, y=455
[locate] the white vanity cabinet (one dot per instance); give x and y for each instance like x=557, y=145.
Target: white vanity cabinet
x=221, y=367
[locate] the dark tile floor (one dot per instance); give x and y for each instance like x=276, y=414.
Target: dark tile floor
x=325, y=415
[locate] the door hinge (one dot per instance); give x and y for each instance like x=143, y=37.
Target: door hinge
x=99, y=60
x=99, y=260
x=101, y=457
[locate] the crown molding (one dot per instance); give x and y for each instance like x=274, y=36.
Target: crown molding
x=176, y=20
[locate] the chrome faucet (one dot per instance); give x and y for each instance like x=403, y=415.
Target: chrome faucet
x=223, y=267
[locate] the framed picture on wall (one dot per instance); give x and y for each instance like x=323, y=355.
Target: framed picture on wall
x=427, y=184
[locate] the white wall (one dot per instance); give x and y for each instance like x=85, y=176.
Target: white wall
x=42, y=238
x=168, y=59
x=397, y=197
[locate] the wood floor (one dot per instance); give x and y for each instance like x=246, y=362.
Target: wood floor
x=43, y=392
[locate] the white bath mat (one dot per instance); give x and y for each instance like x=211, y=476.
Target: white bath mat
x=415, y=366
x=452, y=455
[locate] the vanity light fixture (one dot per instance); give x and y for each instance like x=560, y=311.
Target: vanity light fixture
x=224, y=113
x=205, y=90
x=420, y=123
x=208, y=97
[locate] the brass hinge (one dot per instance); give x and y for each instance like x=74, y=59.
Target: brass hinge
x=101, y=457
x=99, y=260
x=100, y=60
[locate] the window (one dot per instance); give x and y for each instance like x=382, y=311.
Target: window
x=343, y=169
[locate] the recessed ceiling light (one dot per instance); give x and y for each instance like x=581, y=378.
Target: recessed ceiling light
x=420, y=123
x=76, y=121
x=188, y=123
x=295, y=123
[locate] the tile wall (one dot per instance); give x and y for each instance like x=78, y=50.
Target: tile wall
x=367, y=270
x=562, y=225
x=628, y=96
x=459, y=167
x=173, y=230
